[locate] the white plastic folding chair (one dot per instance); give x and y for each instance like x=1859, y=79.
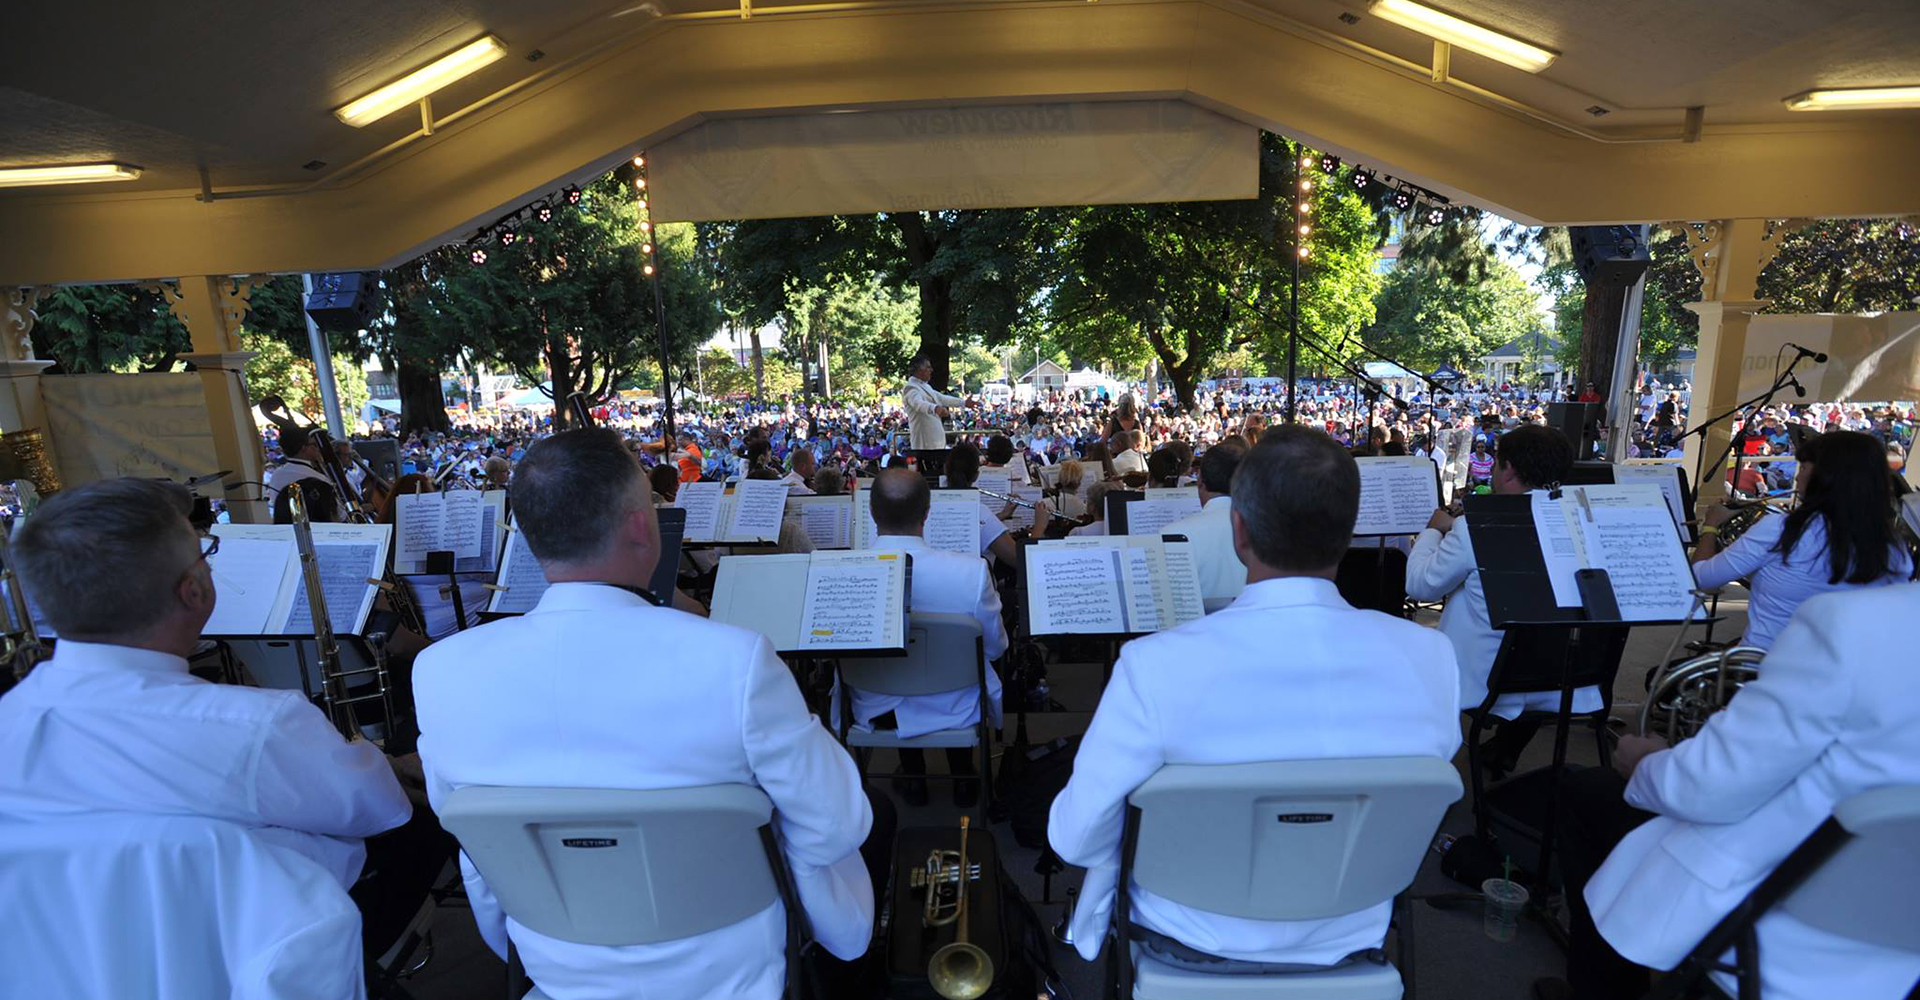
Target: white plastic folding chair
x=1285, y=840
x=945, y=652
x=1853, y=877
x=624, y=867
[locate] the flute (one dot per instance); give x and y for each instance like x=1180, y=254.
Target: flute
x=1016, y=501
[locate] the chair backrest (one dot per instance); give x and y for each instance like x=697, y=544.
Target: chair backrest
x=615, y=866
x=172, y=908
x=1865, y=891
x=943, y=654
x=1289, y=840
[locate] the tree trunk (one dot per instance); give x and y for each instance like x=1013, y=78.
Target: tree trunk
x=759, y=371
x=936, y=295
x=1600, y=336
x=422, y=405
x=560, y=374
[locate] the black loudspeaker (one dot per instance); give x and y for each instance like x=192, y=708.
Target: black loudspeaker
x=381, y=454
x=342, y=302
x=1614, y=255
x=1580, y=422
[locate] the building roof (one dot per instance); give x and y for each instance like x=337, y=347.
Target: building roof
x=1043, y=368
x=1518, y=347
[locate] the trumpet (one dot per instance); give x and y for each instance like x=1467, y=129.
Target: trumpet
x=960, y=970
x=1682, y=696
x=336, y=699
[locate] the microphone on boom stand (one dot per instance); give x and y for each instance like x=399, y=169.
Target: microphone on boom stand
x=1819, y=357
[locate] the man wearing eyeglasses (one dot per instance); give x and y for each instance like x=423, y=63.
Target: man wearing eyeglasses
x=114, y=729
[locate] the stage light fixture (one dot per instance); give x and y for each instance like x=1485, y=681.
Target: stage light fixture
x=478, y=254
x=1329, y=163
x=1361, y=179
x=1306, y=163
x=646, y=248
x=506, y=234
x=1436, y=215
x=571, y=193
x=1455, y=31
x=1855, y=97
x=409, y=89
x=640, y=161
x=1402, y=199
x=640, y=183
x=76, y=173
x=543, y=211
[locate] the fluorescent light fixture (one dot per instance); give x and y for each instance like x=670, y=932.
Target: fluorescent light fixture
x=1855, y=97
x=409, y=89
x=77, y=173
x=1464, y=34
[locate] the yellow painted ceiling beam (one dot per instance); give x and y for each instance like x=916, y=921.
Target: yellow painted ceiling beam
x=1233, y=59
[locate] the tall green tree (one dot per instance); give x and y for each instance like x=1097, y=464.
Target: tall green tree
x=1187, y=283
x=1666, y=325
x=107, y=328
x=1845, y=265
x=1449, y=299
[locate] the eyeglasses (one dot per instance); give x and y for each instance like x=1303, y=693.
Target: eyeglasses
x=209, y=544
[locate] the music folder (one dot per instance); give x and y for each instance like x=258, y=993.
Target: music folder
x=1110, y=585
x=819, y=603
x=1398, y=495
x=1542, y=558
x=748, y=513
x=953, y=521
x=520, y=583
x=827, y=521
x=259, y=585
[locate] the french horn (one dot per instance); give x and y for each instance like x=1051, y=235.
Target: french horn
x=1685, y=694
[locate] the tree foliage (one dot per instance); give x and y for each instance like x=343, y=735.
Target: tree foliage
x=1667, y=326
x=87, y=329
x=1845, y=265
x=275, y=369
x=1450, y=299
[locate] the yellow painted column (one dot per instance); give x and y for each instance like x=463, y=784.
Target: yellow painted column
x=1730, y=255
x=212, y=307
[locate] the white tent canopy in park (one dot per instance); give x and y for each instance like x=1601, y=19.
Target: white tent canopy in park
x=534, y=398
x=1387, y=369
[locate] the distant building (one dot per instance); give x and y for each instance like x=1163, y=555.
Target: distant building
x=1045, y=377
x=1508, y=362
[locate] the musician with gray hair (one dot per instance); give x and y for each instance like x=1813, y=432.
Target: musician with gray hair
x=115, y=725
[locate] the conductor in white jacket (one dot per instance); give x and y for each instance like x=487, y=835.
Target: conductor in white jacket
x=927, y=408
x=1695, y=828
x=1288, y=671
x=599, y=688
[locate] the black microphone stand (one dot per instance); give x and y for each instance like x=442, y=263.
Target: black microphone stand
x=1780, y=383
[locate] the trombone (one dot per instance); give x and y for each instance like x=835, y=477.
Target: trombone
x=335, y=697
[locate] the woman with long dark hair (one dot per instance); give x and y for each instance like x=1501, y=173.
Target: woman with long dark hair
x=1841, y=536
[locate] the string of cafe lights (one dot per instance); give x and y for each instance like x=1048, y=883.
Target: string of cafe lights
x=642, y=195
x=505, y=231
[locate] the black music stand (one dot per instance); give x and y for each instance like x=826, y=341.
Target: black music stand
x=1117, y=501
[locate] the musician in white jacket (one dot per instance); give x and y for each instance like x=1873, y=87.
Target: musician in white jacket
x=1288, y=671
x=1834, y=712
x=926, y=409
x=942, y=582
x=597, y=687
x=1222, y=575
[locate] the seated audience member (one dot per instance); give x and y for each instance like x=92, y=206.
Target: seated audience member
x=1660, y=848
x=1222, y=575
x=1228, y=689
x=1529, y=458
x=942, y=582
x=115, y=725
x=492, y=699
x=1839, y=536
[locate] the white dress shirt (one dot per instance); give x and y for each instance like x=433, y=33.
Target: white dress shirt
x=115, y=729
x=1289, y=671
x=1443, y=566
x=291, y=471
x=1129, y=461
x=796, y=486
x=925, y=430
x=1835, y=711
x=1222, y=574
x=991, y=528
x=597, y=688
x=1779, y=585
x=944, y=583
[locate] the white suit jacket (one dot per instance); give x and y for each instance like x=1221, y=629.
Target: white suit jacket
x=947, y=583
x=1222, y=574
x=1835, y=711
x=924, y=427
x=104, y=729
x=1289, y=671
x=596, y=688
x=292, y=471
x=1443, y=566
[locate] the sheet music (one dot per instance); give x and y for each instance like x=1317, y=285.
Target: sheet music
x=419, y=523
x=351, y=557
x=1136, y=574
x=1558, y=548
x=1074, y=589
x=250, y=575
x=462, y=531
x=1398, y=495
x=996, y=480
x=521, y=580
x=1183, y=583
x=864, y=530
x=1665, y=476
x=953, y=522
x=701, y=501
x=497, y=499
x=758, y=507
x=488, y=558
x=851, y=602
x=1637, y=546
x=828, y=523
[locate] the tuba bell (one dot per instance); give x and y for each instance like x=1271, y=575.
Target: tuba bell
x=1684, y=695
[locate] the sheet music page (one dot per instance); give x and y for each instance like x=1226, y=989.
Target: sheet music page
x=759, y=505
x=854, y=601
x=1557, y=547
x=1640, y=550
x=1148, y=516
x=497, y=499
x=462, y=533
x=763, y=594
x=953, y=522
x=995, y=480
x=419, y=526
x=350, y=555
x=1074, y=588
x=521, y=580
x=488, y=558
x=701, y=501
x=1183, y=583
x=1398, y=495
x=828, y=522
x=1664, y=476
x=864, y=530
x=1136, y=574
x=250, y=577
